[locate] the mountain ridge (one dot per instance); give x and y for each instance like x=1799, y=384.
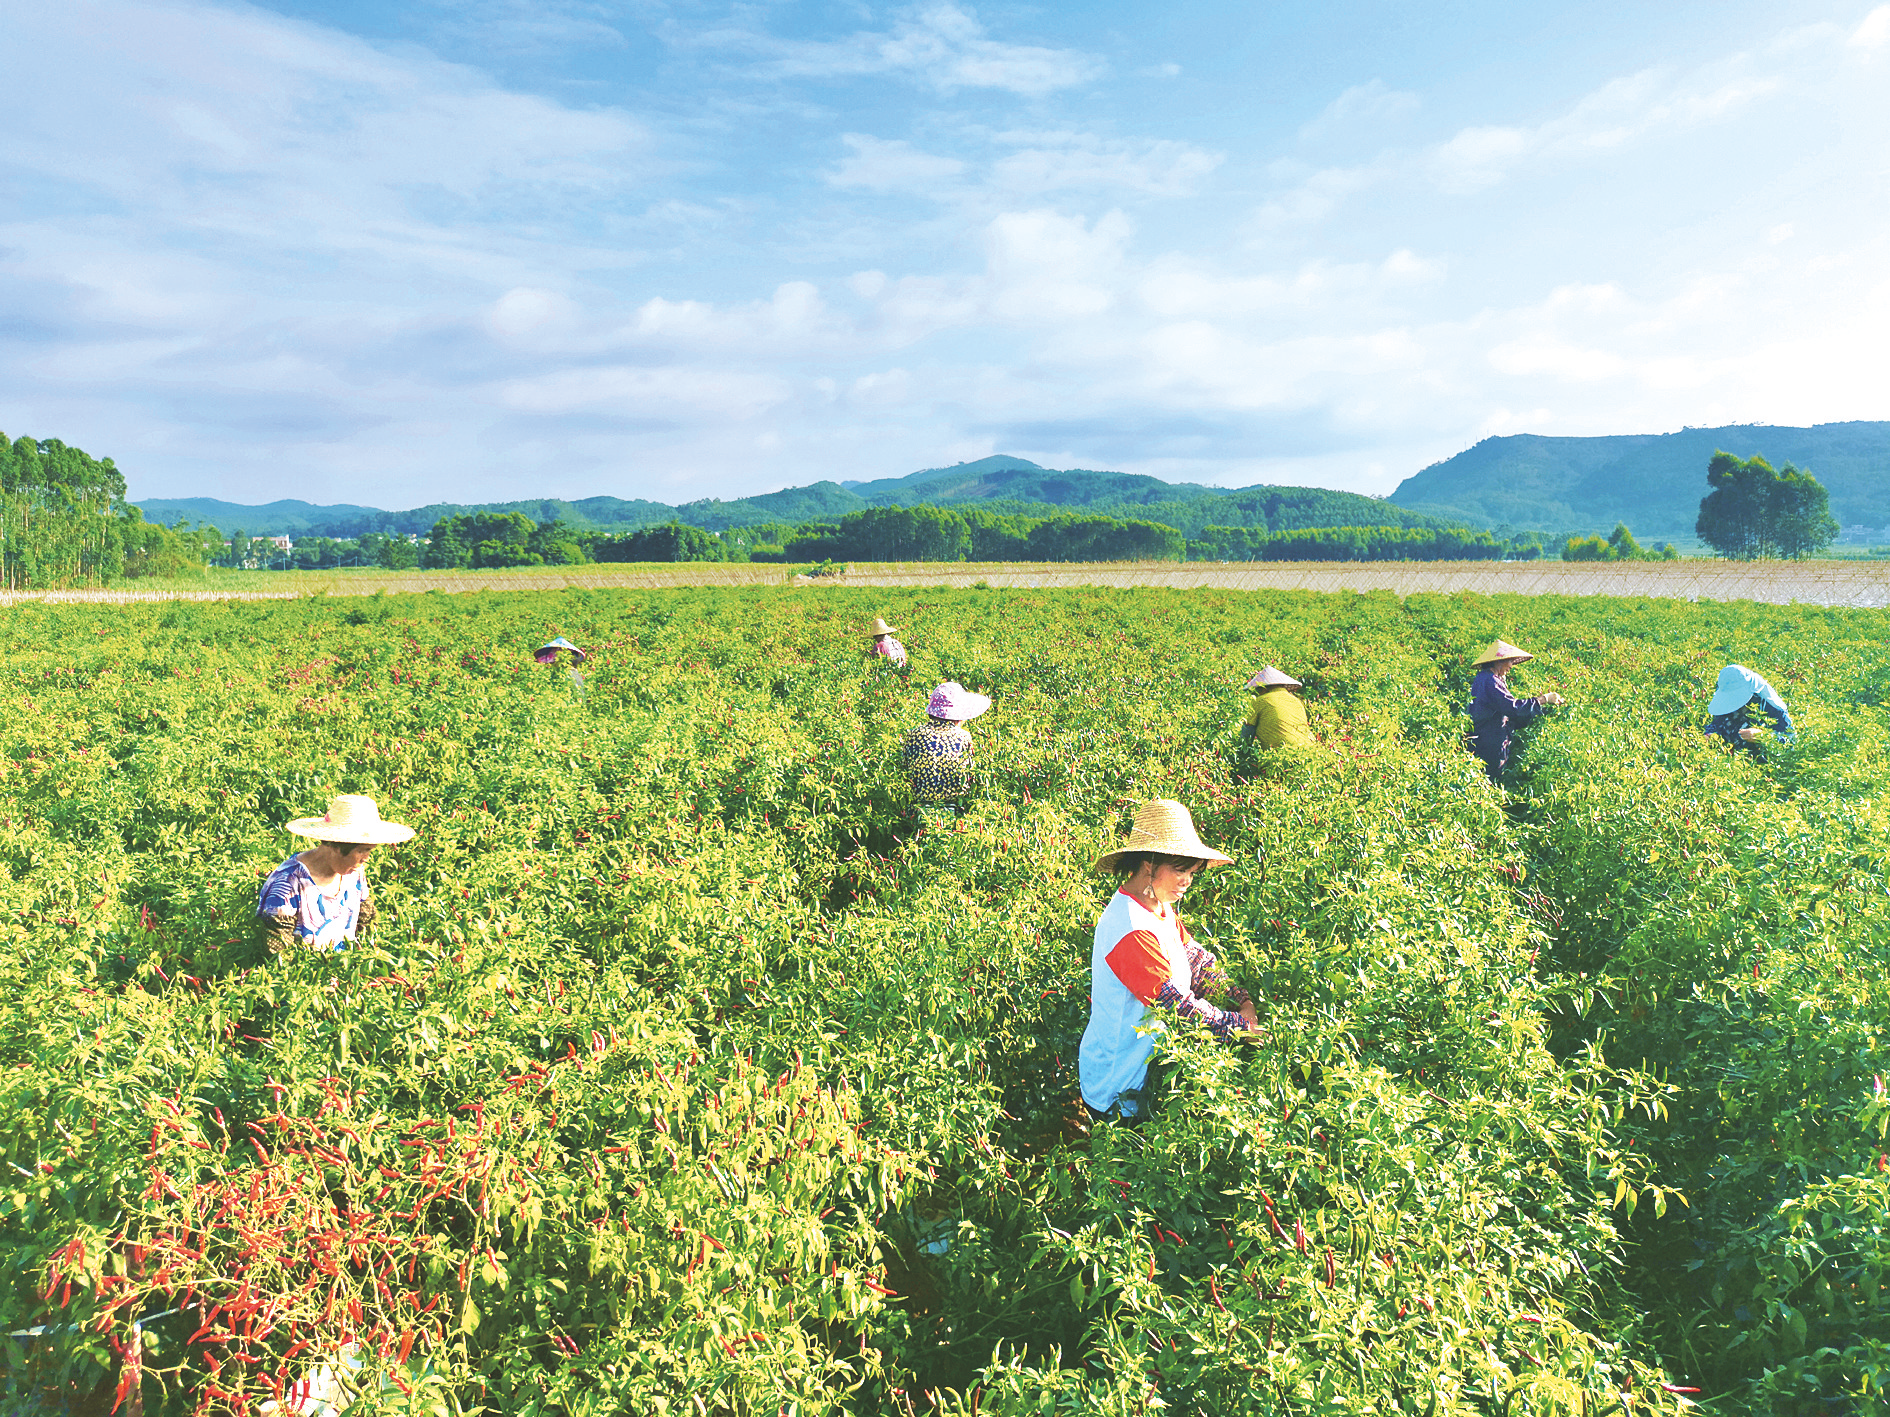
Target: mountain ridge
x=1652, y=481
x=1009, y=485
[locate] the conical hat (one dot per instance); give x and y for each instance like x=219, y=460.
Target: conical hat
x=548, y=653
x=1167, y=829
x=1500, y=650
x=352, y=819
x=1270, y=676
x=880, y=627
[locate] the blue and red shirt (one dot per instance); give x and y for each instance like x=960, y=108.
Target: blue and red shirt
x=1143, y=961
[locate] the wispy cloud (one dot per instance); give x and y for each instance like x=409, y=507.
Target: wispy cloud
x=943, y=46
x=1362, y=108
x=891, y=165
x=256, y=256
x=1053, y=162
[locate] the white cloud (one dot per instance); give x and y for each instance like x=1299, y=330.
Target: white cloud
x=647, y=393
x=942, y=46
x=249, y=242
x=1874, y=31
x=1621, y=112
x=1050, y=162
x=1362, y=107
x=882, y=165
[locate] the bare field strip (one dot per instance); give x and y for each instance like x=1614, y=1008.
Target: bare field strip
x=1863, y=585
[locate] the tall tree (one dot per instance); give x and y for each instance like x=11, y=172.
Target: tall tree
x=1754, y=511
x=1802, y=524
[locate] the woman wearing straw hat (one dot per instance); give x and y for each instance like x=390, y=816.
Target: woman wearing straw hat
x=884, y=645
x=1495, y=713
x=1143, y=958
x=938, y=756
x=320, y=897
x=1276, y=718
x=1739, y=694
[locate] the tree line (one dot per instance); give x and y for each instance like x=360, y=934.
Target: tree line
x=64, y=521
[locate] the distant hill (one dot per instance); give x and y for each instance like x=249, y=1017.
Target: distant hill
x=294, y=519
x=1001, y=484
x=1653, y=482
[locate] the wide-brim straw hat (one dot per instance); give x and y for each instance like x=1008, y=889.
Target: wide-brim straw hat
x=880, y=627
x=1269, y=677
x=954, y=701
x=354, y=820
x=1167, y=829
x=1500, y=650
x=548, y=653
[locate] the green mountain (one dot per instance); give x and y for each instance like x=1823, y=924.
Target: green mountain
x=1011, y=486
x=1653, y=482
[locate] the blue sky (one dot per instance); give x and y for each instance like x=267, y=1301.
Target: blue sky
x=396, y=252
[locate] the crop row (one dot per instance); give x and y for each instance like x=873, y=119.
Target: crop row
x=684, y=1072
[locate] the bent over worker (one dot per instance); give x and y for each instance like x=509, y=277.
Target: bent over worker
x=1495, y=713
x=884, y=646
x=1276, y=718
x=320, y=897
x=1143, y=960
x=1739, y=695
x=938, y=755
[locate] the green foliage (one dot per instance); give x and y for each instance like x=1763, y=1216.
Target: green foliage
x=63, y=522
x=1345, y=543
x=926, y=533
x=1619, y=546
x=1753, y=511
x=671, y=541
x=490, y=540
x=684, y=1073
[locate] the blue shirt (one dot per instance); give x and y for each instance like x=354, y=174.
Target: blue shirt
x=325, y=916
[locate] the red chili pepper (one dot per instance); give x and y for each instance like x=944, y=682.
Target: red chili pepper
x=1332, y=1271
x=1299, y=1237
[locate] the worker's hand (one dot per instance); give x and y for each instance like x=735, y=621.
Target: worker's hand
x=1553, y=699
x=1749, y=734
x=1246, y=1012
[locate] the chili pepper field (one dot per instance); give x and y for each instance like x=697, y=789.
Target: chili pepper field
x=683, y=1073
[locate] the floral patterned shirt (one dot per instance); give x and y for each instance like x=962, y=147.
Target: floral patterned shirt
x=938, y=763
x=325, y=916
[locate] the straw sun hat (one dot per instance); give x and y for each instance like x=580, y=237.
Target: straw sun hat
x=880, y=627
x=1167, y=829
x=1270, y=676
x=1500, y=650
x=351, y=819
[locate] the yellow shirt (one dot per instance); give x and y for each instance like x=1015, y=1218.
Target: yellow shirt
x=1278, y=719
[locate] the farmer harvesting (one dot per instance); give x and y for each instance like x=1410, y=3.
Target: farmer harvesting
x=548, y=653
x=320, y=897
x=1736, y=697
x=1495, y=713
x=938, y=756
x=1143, y=958
x=1276, y=718
x=885, y=646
